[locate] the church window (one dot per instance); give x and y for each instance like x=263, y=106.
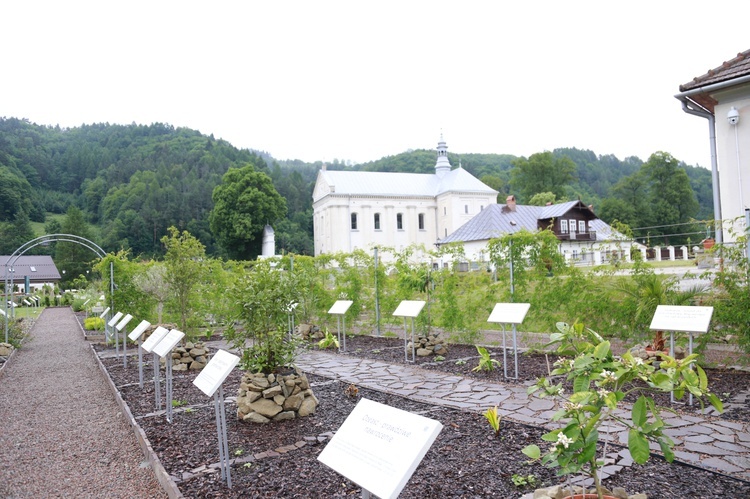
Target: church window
x=400, y=221
x=376, y=221
x=354, y=221
x=421, y=221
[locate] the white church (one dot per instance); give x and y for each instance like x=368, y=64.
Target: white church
x=362, y=210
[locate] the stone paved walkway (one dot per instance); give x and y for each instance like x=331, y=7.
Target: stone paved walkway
x=704, y=441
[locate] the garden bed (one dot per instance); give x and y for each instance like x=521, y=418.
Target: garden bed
x=466, y=460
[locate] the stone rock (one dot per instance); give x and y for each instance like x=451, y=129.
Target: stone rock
x=293, y=402
x=272, y=392
x=620, y=493
x=284, y=415
x=180, y=367
x=196, y=366
x=254, y=417
x=307, y=407
x=279, y=399
x=196, y=352
x=266, y=407
x=5, y=349
x=423, y=352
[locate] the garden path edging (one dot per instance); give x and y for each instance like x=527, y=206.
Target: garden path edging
x=161, y=475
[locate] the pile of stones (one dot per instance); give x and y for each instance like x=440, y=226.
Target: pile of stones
x=427, y=345
x=644, y=353
x=5, y=349
x=309, y=332
x=274, y=397
x=193, y=356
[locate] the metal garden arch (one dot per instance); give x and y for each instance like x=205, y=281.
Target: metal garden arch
x=46, y=239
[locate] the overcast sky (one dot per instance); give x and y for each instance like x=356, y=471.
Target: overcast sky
x=357, y=80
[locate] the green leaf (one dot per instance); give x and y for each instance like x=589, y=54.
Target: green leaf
x=702, y=377
x=581, y=384
x=716, y=402
x=532, y=451
x=601, y=350
x=666, y=449
x=638, y=446
x=639, y=411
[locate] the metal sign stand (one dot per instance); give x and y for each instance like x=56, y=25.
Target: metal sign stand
x=157, y=384
x=209, y=381
x=149, y=346
x=168, y=383
x=339, y=309
x=111, y=324
x=119, y=328
x=164, y=350
x=221, y=430
x=409, y=308
x=137, y=334
x=509, y=313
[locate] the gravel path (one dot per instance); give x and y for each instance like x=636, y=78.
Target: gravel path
x=61, y=432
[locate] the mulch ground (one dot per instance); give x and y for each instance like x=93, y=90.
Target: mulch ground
x=466, y=460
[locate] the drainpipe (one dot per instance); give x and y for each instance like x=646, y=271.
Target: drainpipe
x=691, y=107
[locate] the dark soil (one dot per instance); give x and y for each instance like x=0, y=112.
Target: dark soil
x=466, y=460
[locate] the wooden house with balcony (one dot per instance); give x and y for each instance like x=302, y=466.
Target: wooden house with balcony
x=584, y=238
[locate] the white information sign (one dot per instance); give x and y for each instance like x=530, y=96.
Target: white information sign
x=138, y=331
x=158, y=335
x=2, y=312
x=216, y=371
x=509, y=313
x=409, y=308
x=114, y=319
x=340, y=307
x=124, y=322
x=104, y=313
x=27, y=303
x=682, y=318
x=168, y=343
x=378, y=447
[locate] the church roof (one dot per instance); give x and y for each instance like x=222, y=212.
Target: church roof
x=403, y=184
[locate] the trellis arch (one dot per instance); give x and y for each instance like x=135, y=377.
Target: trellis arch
x=43, y=240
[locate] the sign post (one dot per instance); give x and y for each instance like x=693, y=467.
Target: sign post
x=111, y=324
x=136, y=335
x=378, y=447
x=148, y=345
x=339, y=309
x=409, y=308
x=164, y=349
x=119, y=327
x=103, y=316
x=509, y=313
x=208, y=381
x=681, y=318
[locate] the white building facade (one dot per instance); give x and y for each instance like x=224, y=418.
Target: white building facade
x=362, y=210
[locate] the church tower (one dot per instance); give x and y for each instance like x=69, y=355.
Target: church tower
x=442, y=165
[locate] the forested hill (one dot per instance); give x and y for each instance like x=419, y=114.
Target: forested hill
x=134, y=181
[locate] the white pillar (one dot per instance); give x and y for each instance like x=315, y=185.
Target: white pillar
x=644, y=254
x=684, y=252
x=597, y=257
x=627, y=254
x=671, y=253
x=657, y=253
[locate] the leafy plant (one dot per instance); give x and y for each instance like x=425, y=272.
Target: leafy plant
x=178, y=403
x=460, y=362
x=239, y=452
x=493, y=418
x=600, y=383
x=439, y=358
x=486, y=362
x=93, y=324
x=328, y=341
x=523, y=480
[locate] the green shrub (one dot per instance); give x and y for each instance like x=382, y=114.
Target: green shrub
x=93, y=324
x=78, y=304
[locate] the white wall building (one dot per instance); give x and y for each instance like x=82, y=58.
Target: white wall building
x=361, y=210
x=723, y=97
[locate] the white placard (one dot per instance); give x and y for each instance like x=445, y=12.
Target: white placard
x=158, y=335
x=290, y=308
x=27, y=303
x=138, y=331
x=87, y=301
x=104, y=314
x=409, y=308
x=682, y=318
x=114, y=319
x=340, y=307
x=216, y=371
x=123, y=322
x=378, y=447
x=2, y=312
x=509, y=313
x=168, y=343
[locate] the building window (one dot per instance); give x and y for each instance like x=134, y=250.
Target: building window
x=582, y=227
x=399, y=221
x=446, y=232
x=466, y=208
x=481, y=208
x=377, y=221
x=421, y=221
x=563, y=226
x=354, y=221
x=445, y=210
x=572, y=226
